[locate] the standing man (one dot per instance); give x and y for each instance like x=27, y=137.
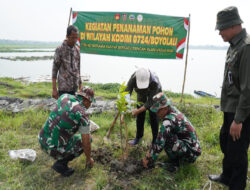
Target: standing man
x=66, y=66
x=58, y=137
x=177, y=136
x=235, y=101
x=146, y=84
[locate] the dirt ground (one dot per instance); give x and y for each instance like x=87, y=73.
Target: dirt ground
x=121, y=172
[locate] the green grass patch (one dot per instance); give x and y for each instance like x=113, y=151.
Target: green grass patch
x=25, y=58
x=20, y=131
x=107, y=91
x=13, y=48
x=12, y=88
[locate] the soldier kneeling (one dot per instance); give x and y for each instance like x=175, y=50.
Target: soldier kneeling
x=58, y=137
x=177, y=136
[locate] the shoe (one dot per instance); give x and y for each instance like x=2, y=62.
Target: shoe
x=68, y=172
x=63, y=169
x=218, y=179
x=134, y=141
x=174, y=162
x=170, y=167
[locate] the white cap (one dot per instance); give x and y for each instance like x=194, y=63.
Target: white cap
x=142, y=78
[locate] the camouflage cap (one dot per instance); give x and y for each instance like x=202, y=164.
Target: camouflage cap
x=227, y=18
x=87, y=92
x=161, y=101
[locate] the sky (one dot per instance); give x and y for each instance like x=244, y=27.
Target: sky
x=47, y=20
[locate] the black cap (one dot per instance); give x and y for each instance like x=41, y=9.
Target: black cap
x=227, y=18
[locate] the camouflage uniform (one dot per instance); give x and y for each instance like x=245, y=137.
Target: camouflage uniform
x=57, y=137
x=177, y=136
x=67, y=63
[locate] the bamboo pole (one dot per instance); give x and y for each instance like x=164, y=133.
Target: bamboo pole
x=112, y=125
x=70, y=15
x=185, y=70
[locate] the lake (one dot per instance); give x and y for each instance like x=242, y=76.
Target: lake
x=204, y=71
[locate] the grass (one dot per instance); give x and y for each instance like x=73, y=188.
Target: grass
x=12, y=88
x=13, y=48
x=20, y=130
x=25, y=58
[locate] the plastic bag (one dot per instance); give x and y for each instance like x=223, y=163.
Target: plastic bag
x=23, y=154
x=127, y=98
x=93, y=126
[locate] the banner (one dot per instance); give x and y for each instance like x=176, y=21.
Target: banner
x=131, y=34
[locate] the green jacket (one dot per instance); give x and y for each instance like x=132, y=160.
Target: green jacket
x=145, y=95
x=177, y=136
x=235, y=94
x=68, y=117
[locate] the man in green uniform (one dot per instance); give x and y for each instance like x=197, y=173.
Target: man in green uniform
x=235, y=101
x=58, y=137
x=177, y=135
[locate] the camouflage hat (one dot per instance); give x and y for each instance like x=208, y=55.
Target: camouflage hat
x=161, y=101
x=87, y=92
x=227, y=18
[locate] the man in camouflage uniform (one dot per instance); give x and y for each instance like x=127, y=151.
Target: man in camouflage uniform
x=235, y=101
x=177, y=136
x=146, y=84
x=58, y=137
x=66, y=65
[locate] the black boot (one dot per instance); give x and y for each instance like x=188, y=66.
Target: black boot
x=61, y=166
x=171, y=165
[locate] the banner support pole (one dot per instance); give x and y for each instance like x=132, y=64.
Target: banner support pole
x=70, y=15
x=185, y=70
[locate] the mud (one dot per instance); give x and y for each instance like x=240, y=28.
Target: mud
x=131, y=165
x=121, y=173
x=102, y=155
x=127, y=167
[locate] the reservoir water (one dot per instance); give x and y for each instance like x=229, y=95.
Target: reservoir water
x=204, y=71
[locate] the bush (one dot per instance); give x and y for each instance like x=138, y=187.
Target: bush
x=177, y=95
x=109, y=87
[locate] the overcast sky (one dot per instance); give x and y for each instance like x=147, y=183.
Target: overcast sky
x=46, y=20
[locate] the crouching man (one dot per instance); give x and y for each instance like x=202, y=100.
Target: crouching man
x=177, y=136
x=58, y=137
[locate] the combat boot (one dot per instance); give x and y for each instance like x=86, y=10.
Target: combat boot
x=61, y=166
